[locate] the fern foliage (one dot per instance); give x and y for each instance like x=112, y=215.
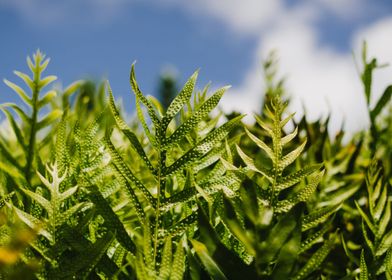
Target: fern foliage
x=182, y=145
x=376, y=223
x=185, y=191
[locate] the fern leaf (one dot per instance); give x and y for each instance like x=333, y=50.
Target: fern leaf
x=180, y=100
x=18, y=132
x=252, y=166
x=379, y=207
x=365, y=235
x=143, y=122
x=388, y=265
x=83, y=263
x=34, y=223
x=147, y=247
x=15, y=173
x=65, y=216
x=264, y=126
x=22, y=94
x=8, y=157
x=314, y=238
x=315, y=260
x=181, y=226
x=294, y=178
x=231, y=220
x=111, y=220
x=281, y=233
x=366, y=219
x=62, y=154
x=26, y=79
x=164, y=271
x=40, y=199
x=210, y=265
x=289, y=137
x=48, y=97
x=302, y=195
x=178, y=265
x=127, y=132
x=385, y=219
x=126, y=172
x=364, y=271
x=293, y=155
x=48, y=119
x=22, y=115
x=195, y=119
x=46, y=81
x=318, y=216
x=150, y=109
x=203, y=147
x=385, y=244
x=262, y=146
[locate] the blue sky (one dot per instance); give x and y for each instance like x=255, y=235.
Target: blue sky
x=227, y=39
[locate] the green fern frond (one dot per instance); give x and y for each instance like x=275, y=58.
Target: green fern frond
x=31, y=124
x=376, y=216
x=363, y=267
x=316, y=259
x=54, y=206
x=194, y=144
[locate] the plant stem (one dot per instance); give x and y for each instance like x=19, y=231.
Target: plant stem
x=160, y=188
x=31, y=146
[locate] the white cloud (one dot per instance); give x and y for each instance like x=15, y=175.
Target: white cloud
x=319, y=78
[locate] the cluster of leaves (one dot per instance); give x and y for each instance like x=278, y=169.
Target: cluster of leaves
x=182, y=192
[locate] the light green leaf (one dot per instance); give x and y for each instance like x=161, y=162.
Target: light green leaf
x=203, y=147
x=294, y=178
x=164, y=271
x=49, y=118
x=34, y=223
x=180, y=100
x=46, y=81
x=318, y=216
x=262, y=146
x=363, y=267
x=28, y=81
x=315, y=260
x=292, y=156
x=127, y=131
x=178, y=266
x=143, y=99
x=381, y=103
x=22, y=94
x=194, y=119
x=47, y=98
x=205, y=257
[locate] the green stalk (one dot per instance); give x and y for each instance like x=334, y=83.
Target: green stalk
x=33, y=132
x=161, y=185
x=277, y=151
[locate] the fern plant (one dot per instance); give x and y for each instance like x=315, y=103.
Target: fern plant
x=23, y=165
x=179, y=194
x=167, y=201
x=268, y=218
x=374, y=111
x=376, y=229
